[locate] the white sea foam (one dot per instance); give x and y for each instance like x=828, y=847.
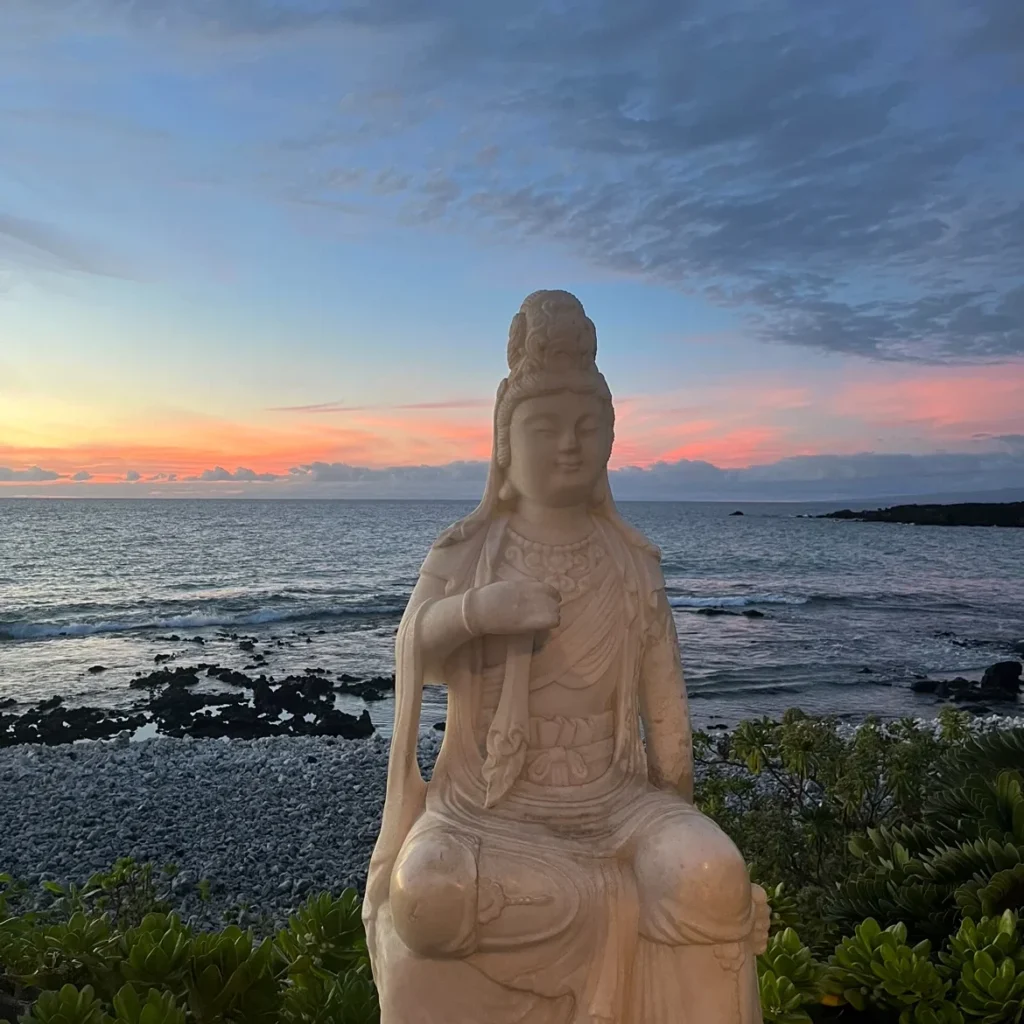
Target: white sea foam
x=199, y=620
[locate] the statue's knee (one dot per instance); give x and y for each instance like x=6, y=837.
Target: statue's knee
x=434, y=894
x=695, y=872
x=727, y=877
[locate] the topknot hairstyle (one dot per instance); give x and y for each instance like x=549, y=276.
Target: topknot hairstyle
x=552, y=346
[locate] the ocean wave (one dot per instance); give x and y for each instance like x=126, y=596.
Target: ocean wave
x=735, y=601
x=199, y=620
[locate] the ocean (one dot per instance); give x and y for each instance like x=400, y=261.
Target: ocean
x=849, y=612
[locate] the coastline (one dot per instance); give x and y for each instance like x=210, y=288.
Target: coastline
x=771, y=609
x=977, y=514
x=201, y=699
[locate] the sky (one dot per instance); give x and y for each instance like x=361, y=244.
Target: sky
x=272, y=247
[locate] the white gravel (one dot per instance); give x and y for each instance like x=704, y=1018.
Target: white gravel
x=266, y=821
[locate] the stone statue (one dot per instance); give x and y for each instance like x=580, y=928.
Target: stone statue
x=554, y=870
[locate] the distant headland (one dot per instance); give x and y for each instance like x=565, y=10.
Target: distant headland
x=1008, y=513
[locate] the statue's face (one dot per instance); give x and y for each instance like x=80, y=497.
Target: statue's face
x=559, y=447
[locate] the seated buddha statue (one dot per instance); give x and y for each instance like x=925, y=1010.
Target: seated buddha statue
x=554, y=870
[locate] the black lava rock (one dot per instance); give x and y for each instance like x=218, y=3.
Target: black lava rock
x=1008, y=513
x=1003, y=678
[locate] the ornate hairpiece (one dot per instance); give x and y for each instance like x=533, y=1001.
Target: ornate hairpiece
x=551, y=334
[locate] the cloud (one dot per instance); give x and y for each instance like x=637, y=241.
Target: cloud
x=808, y=478
x=996, y=463
x=845, y=177
x=943, y=402
x=132, y=476
x=452, y=475
x=1000, y=32
x=28, y=246
x=825, y=478
x=33, y=474
x=1013, y=442
x=324, y=407
x=219, y=474
x=81, y=475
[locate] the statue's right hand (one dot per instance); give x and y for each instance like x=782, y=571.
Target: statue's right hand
x=507, y=607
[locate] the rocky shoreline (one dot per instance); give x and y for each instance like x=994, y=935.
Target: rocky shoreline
x=1000, y=682
x=206, y=700
x=211, y=701
x=1010, y=513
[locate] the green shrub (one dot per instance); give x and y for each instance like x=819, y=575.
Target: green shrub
x=789, y=978
x=156, y=1008
x=894, y=864
x=963, y=856
x=987, y=959
x=156, y=953
x=875, y=968
x=793, y=793
x=127, y=960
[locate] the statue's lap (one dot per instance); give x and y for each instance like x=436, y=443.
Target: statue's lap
x=460, y=887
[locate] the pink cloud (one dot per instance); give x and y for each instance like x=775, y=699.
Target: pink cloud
x=948, y=403
x=332, y=407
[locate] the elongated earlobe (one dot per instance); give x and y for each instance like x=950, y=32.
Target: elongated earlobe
x=507, y=492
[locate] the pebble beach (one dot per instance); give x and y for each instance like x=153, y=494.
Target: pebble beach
x=266, y=821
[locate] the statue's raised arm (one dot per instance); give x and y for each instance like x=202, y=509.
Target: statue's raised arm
x=554, y=870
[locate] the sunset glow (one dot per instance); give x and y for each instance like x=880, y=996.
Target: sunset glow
x=236, y=245
x=729, y=426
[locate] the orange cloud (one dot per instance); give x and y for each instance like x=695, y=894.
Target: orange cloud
x=340, y=407
x=731, y=423
x=190, y=444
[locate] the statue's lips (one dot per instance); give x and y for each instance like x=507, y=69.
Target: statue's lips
x=569, y=467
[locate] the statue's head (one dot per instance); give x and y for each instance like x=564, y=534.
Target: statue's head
x=554, y=419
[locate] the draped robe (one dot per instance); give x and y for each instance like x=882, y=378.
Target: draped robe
x=563, y=857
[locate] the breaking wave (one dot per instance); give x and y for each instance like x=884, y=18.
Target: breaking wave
x=45, y=630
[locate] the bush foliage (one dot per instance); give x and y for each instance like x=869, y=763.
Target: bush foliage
x=893, y=857
x=113, y=952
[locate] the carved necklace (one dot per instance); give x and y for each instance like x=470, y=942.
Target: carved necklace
x=566, y=567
